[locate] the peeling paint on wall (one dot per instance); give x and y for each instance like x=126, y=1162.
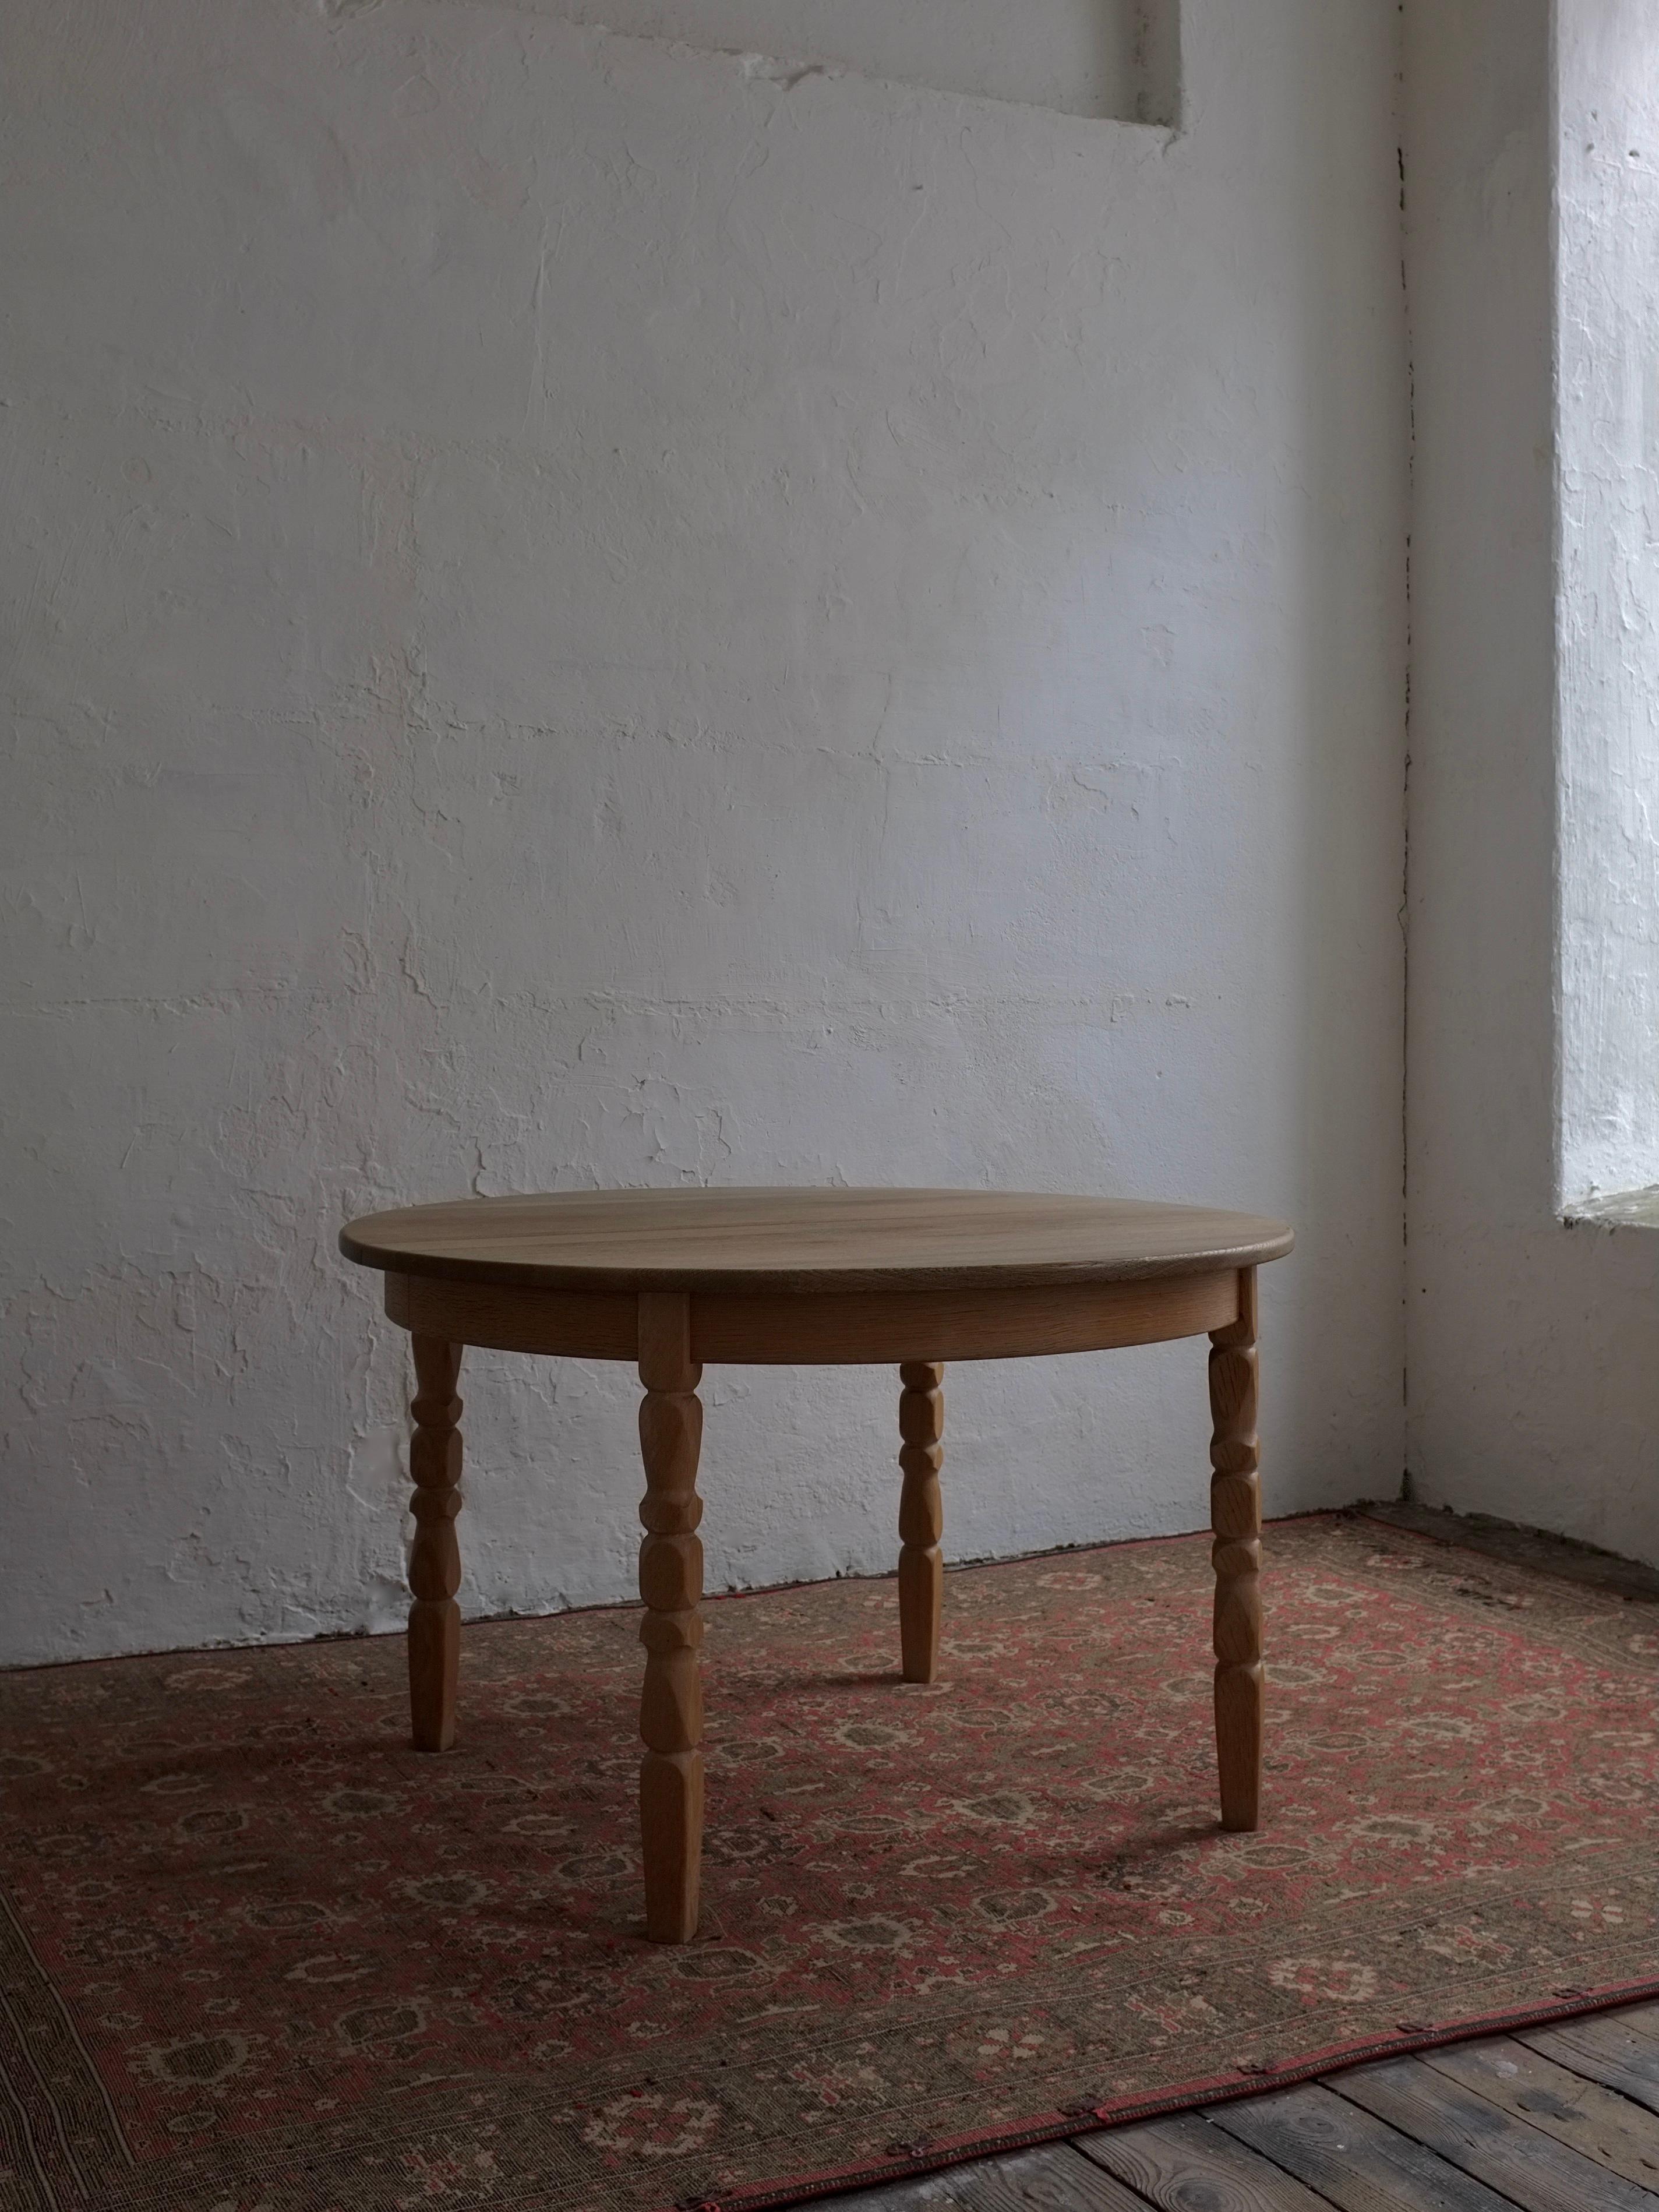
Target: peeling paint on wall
x=1107, y=58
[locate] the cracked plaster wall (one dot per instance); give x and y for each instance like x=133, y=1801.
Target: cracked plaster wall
x=575, y=615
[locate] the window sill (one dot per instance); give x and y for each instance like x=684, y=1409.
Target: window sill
x=1617, y=1209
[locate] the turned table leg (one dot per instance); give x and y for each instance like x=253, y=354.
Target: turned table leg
x=922, y=1519
x=671, y=1582
x=435, y=1562
x=1236, y=1518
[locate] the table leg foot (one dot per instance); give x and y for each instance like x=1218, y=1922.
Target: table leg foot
x=1236, y=1519
x=671, y=1825
x=671, y=1582
x=435, y=1562
x=922, y=1519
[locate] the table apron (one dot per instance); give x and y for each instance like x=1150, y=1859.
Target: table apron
x=826, y=1328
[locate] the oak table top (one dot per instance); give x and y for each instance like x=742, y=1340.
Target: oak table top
x=673, y=1279
x=807, y=1240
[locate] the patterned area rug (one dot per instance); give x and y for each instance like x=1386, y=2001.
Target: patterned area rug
x=262, y=1958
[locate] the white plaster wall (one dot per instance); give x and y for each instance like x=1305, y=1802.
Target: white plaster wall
x=1534, y=1385
x=1607, y=428
x=574, y=614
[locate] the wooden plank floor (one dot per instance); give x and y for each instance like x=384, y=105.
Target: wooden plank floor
x=1556, y=2119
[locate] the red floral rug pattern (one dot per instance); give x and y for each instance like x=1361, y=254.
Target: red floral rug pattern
x=261, y=1957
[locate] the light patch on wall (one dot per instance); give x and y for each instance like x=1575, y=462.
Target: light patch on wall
x=1111, y=60
x=1607, y=674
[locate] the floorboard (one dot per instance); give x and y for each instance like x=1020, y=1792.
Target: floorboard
x=1177, y=2164
x=1358, y=2162
x=1054, y=2179
x=1504, y=2151
x=1603, y=2048
x=1596, y=2122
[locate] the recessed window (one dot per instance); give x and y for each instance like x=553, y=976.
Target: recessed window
x=1607, y=673
x=1110, y=58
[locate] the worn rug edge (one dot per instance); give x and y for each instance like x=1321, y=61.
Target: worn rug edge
x=1160, y=2104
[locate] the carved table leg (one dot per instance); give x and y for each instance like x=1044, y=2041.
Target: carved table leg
x=922, y=1519
x=435, y=1563
x=1236, y=1518
x=671, y=1582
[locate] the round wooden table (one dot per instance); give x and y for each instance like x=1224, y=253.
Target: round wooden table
x=674, y=1279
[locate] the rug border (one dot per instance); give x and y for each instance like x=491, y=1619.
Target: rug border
x=1126, y=2111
